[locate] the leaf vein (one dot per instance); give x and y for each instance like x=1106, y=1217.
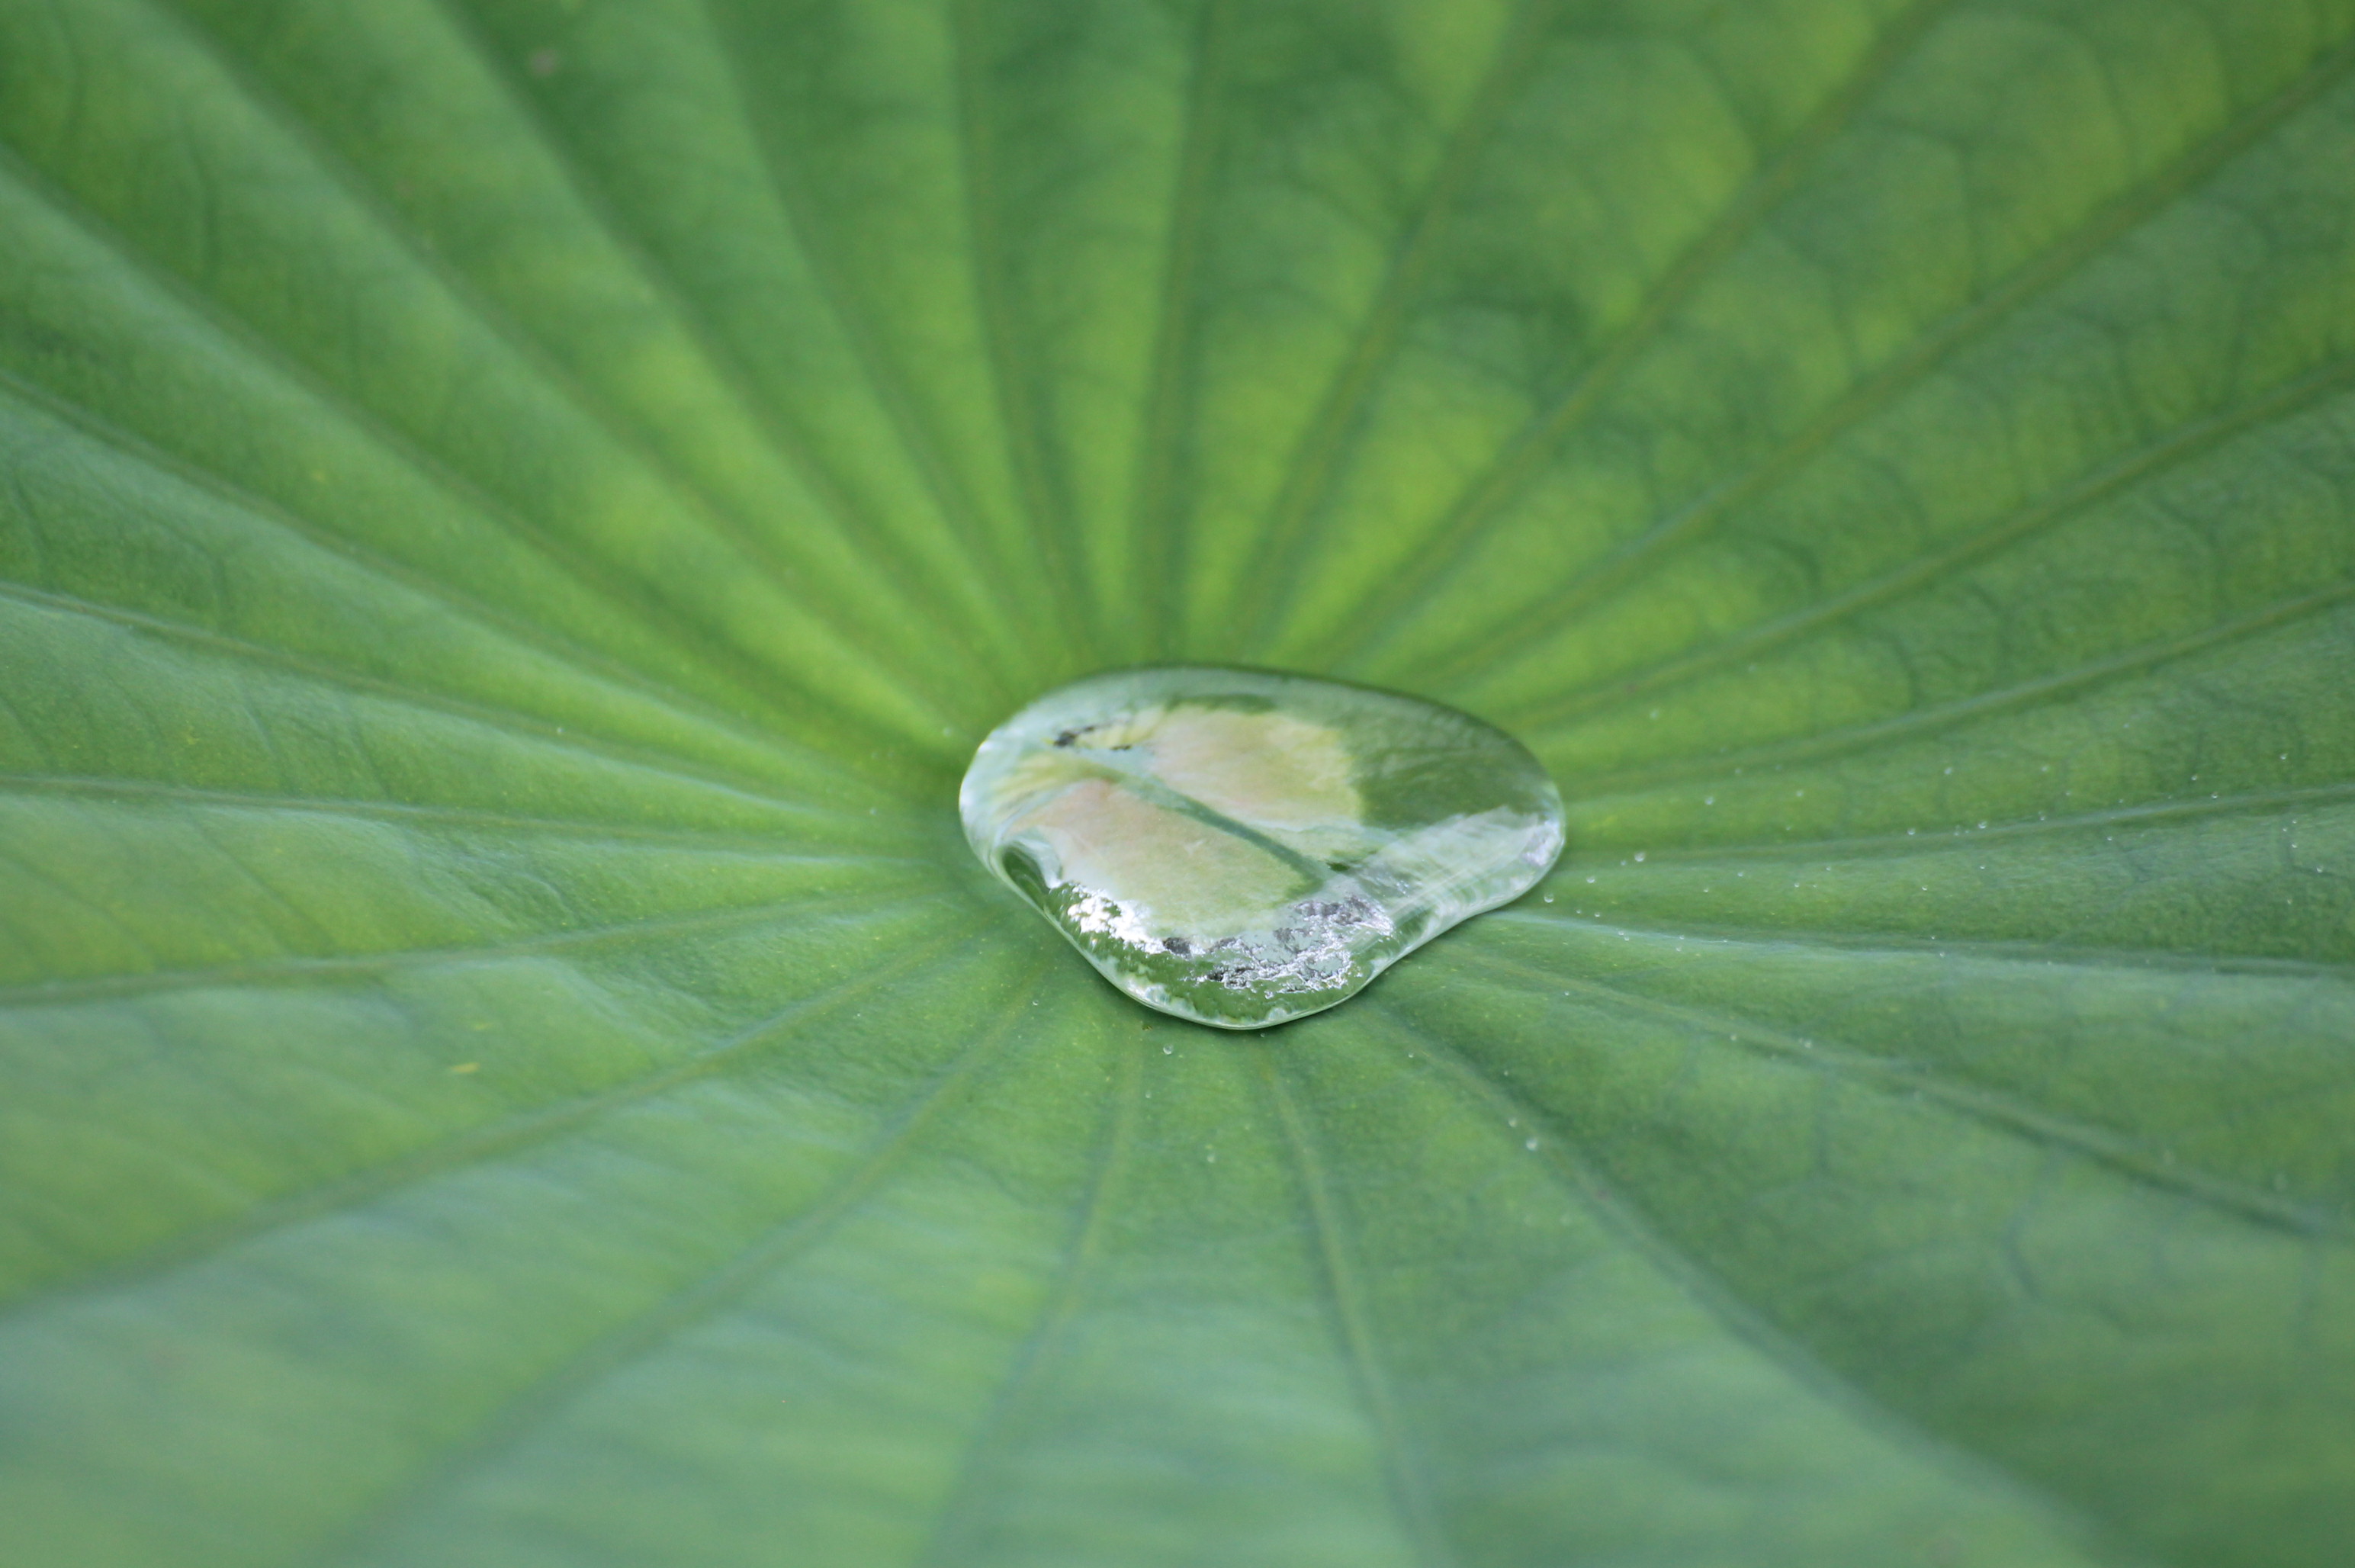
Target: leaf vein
x=1929, y=720
x=957, y=1516
x=2120, y=1152
x=887, y=382
x=295, y=968
x=1315, y=458
x=2183, y=444
x=503, y=720
x=521, y=1412
x=1481, y=503
x=752, y=679
x=507, y=1136
x=784, y=433
x=1409, y=1488
x=766, y=849
x=1930, y=348
x=1162, y=465
x=1699, y=1285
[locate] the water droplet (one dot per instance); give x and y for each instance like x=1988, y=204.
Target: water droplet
x=1531, y=1146
x=1242, y=849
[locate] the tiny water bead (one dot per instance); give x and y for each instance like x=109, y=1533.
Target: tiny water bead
x=1241, y=848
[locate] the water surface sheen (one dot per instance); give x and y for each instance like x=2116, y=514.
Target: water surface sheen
x=1241, y=847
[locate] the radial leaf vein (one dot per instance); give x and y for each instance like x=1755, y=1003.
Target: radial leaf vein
x=503, y=720
x=1928, y=721
x=510, y=1134
x=574, y=656
x=1483, y=502
x=1317, y=458
x=2041, y=953
x=769, y=849
x=1636, y=1229
x=1409, y=1488
x=959, y=1513
x=1930, y=348
x=523, y=1412
x=2009, y=830
x=750, y=678
x=715, y=517
x=889, y=385
x=2175, y=447
x=1164, y=467
x=2127, y=1156
x=295, y=968
x=784, y=433
x=1054, y=533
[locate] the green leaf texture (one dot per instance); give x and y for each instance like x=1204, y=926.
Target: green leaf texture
x=514, y=514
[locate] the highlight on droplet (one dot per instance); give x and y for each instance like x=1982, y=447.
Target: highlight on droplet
x=1241, y=847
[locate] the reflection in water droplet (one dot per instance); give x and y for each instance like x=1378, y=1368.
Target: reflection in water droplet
x=1241, y=848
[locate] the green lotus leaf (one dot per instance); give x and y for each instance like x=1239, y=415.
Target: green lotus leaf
x=515, y=513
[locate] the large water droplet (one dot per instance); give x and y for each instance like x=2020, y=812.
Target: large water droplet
x=1241, y=848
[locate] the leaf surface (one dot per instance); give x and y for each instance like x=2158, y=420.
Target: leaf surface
x=514, y=513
